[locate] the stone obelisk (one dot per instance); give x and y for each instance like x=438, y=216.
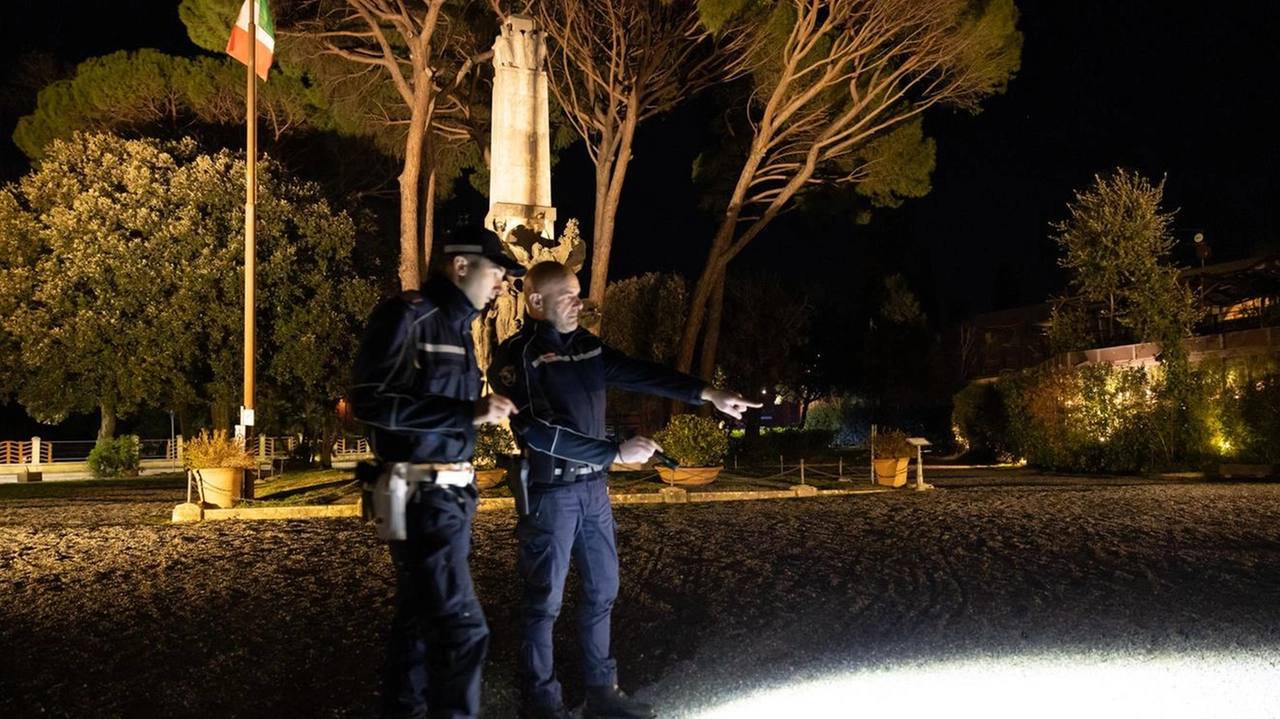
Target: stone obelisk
x=520, y=208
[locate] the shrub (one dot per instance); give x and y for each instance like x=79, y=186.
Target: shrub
x=1095, y=418
x=847, y=417
x=209, y=451
x=116, y=457
x=979, y=416
x=892, y=444
x=1099, y=418
x=1260, y=410
x=1241, y=410
x=694, y=441
x=493, y=441
x=785, y=441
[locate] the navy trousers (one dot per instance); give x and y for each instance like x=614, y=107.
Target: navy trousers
x=573, y=521
x=439, y=637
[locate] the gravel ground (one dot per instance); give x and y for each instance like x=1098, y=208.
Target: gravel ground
x=106, y=610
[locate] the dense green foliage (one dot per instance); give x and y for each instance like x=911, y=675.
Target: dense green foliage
x=1116, y=245
x=493, y=443
x=123, y=267
x=768, y=325
x=790, y=443
x=114, y=457
x=846, y=417
x=694, y=441
x=1100, y=418
x=980, y=417
x=905, y=367
x=148, y=93
x=642, y=315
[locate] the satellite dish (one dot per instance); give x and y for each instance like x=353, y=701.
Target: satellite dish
x=1198, y=238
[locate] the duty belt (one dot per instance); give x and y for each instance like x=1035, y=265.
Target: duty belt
x=457, y=474
x=576, y=469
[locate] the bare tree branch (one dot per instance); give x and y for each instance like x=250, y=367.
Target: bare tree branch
x=615, y=64
x=847, y=72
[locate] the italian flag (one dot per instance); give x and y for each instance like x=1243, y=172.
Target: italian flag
x=238, y=45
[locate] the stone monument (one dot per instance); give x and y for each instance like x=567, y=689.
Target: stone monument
x=520, y=208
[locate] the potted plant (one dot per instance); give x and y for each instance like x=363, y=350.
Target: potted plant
x=219, y=462
x=493, y=442
x=699, y=444
x=890, y=454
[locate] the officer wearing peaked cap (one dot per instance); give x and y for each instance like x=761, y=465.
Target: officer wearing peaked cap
x=416, y=386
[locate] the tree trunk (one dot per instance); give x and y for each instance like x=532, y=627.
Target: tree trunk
x=408, y=272
x=220, y=416
x=1111, y=320
x=702, y=301
x=699, y=308
x=611, y=174
x=711, y=337
x=181, y=413
x=717, y=262
x=326, y=443
x=601, y=228
x=107, y=427
x=601, y=248
x=693, y=326
x=427, y=205
x=750, y=428
x=410, y=182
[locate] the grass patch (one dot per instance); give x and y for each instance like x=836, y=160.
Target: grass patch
x=639, y=482
x=306, y=487
x=745, y=480
x=71, y=489
x=312, y=486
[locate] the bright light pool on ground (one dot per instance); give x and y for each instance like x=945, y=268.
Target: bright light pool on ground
x=1236, y=685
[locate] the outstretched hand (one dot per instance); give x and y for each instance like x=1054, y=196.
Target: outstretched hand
x=731, y=403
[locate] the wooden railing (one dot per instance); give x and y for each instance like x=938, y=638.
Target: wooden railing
x=351, y=446
x=21, y=452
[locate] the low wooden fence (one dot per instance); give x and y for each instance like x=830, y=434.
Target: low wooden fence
x=17, y=454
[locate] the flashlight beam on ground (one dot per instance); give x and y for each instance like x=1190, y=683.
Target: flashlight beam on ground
x=1238, y=685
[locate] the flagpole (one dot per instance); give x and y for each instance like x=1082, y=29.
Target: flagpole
x=250, y=224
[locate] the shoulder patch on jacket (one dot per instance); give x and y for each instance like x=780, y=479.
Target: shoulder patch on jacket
x=507, y=376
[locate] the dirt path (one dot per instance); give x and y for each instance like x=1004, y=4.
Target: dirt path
x=107, y=611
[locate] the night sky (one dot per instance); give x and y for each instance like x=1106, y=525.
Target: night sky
x=1187, y=90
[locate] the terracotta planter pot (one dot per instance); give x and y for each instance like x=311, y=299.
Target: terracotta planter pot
x=222, y=485
x=489, y=478
x=688, y=476
x=891, y=472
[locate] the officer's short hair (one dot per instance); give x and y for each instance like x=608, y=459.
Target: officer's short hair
x=544, y=271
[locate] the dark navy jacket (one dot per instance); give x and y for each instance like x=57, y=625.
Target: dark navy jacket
x=558, y=384
x=416, y=380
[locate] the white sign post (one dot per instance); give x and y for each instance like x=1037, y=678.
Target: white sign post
x=920, y=443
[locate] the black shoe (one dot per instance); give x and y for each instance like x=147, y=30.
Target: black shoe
x=612, y=703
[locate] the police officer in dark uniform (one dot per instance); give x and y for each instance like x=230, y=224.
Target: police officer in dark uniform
x=417, y=388
x=556, y=373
